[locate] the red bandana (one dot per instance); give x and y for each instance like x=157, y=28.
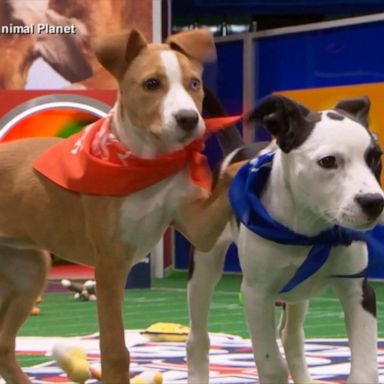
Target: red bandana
x=93, y=161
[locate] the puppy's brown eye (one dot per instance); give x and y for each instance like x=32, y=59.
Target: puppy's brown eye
x=195, y=84
x=328, y=162
x=151, y=84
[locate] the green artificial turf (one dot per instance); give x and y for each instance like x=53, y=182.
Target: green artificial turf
x=61, y=315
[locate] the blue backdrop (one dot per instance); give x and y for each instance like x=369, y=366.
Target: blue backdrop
x=337, y=56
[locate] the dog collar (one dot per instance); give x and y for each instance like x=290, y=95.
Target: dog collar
x=93, y=161
x=244, y=193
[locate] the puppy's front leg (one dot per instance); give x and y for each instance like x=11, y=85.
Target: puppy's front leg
x=359, y=304
x=292, y=337
x=260, y=313
x=110, y=274
x=261, y=281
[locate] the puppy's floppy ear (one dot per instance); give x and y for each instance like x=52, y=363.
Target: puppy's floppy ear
x=115, y=52
x=358, y=108
x=197, y=44
x=284, y=119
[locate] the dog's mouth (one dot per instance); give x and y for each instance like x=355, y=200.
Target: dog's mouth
x=172, y=136
x=186, y=137
x=359, y=224
x=348, y=220
x=169, y=141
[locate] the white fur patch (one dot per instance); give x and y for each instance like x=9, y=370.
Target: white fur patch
x=147, y=213
x=177, y=97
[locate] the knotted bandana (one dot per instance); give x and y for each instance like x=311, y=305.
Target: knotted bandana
x=93, y=161
x=244, y=193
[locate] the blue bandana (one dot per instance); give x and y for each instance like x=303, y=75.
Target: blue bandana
x=244, y=194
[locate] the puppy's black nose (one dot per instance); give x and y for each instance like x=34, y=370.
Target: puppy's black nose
x=372, y=204
x=187, y=119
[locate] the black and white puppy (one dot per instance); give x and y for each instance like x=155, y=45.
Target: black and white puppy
x=325, y=173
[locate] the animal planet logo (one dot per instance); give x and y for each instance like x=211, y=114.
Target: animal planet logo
x=39, y=29
x=59, y=115
x=231, y=359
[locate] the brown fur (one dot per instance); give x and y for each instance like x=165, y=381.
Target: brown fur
x=193, y=43
x=36, y=214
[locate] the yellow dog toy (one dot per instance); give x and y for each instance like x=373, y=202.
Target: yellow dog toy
x=73, y=361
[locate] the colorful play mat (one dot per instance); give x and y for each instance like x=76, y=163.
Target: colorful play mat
x=231, y=358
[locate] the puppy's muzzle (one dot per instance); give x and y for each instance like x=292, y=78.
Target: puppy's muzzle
x=187, y=120
x=372, y=204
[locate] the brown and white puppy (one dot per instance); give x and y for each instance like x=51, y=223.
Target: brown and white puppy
x=157, y=111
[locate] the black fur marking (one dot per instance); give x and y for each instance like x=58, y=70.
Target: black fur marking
x=372, y=157
x=314, y=117
x=288, y=121
x=354, y=118
x=356, y=109
x=369, y=298
x=335, y=116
